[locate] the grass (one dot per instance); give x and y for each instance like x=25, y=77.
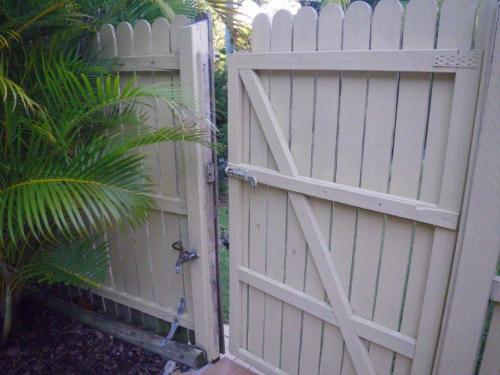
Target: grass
x=224, y=265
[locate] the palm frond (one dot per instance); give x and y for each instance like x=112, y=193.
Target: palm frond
x=13, y=93
x=81, y=263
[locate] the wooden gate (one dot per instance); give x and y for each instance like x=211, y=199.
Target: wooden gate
x=143, y=274
x=349, y=144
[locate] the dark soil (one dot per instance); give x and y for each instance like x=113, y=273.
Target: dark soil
x=48, y=343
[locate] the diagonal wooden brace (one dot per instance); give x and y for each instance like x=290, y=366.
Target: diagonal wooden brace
x=310, y=226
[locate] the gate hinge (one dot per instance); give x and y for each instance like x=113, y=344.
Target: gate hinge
x=210, y=172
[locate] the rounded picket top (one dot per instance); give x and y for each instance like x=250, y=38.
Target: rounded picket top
x=143, y=41
x=330, y=28
x=161, y=36
x=261, y=33
x=281, y=26
x=304, y=29
x=107, y=41
x=178, y=22
x=386, y=25
x=357, y=23
x=456, y=23
x=124, y=39
x=420, y=24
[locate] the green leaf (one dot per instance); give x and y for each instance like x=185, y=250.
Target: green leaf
x=82, y=263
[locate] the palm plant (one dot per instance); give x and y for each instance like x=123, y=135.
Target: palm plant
x=69, y=164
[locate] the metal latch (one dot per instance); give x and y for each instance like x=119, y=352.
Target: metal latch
x=184, y=255
x=241, y=174
x=181, y=309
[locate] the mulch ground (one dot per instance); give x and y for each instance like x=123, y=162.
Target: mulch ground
x=47, y=343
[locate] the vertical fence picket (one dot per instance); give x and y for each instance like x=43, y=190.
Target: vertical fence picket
x=356, y=36
x=261, y=36
x=167, y=169
x=377, y=147
x=279, y=92
x=124, y=42
x=107, y=49
x=304, y=38
x=413, y=106
x=444, y=171
x=302, y=149
x=323, y=164
x=162, y=255
x=143, y=45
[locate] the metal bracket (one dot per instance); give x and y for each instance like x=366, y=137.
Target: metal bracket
x=184, y=255
x=181, y=309
x=469, y=60
x=241, y=174
x=210, y=174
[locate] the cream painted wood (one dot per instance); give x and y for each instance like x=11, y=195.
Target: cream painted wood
x=444, y=173
x=106, y=44
x=309, y=225
x=124, y=42
x=146, y=306
x=376, y=154
x=375, y=170
x=412, y=209
x=238, y=199
x=142, y=260
x=378, y=61
x=322, y=310
x=301, y=102
x=277, y=203
x=480, y=224
x=302, y=148
x=148, y=63
x=353, y=176
x=143, y=45
x=168, y=229
x=192, y=56
x=261, y=39
x=323, y=162
x=351, y=120
x=413, y=102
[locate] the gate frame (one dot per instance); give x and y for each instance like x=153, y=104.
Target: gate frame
x=244, y=81
x=472, y=277
x=193, y=60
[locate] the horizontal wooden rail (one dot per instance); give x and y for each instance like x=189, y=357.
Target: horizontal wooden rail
x=495, y=290
x=423, y=212
x=432, y=61
x=170, y=205
x=367, y=329
x=151, y=63
x=145, y=306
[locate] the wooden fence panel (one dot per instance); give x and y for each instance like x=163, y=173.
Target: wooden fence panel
x=390, y=129
x=142, y=274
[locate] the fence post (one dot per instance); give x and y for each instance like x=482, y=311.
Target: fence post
x=479, y=239
x=195, y=84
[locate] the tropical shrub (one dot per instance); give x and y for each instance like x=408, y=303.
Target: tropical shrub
x=68, y=139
